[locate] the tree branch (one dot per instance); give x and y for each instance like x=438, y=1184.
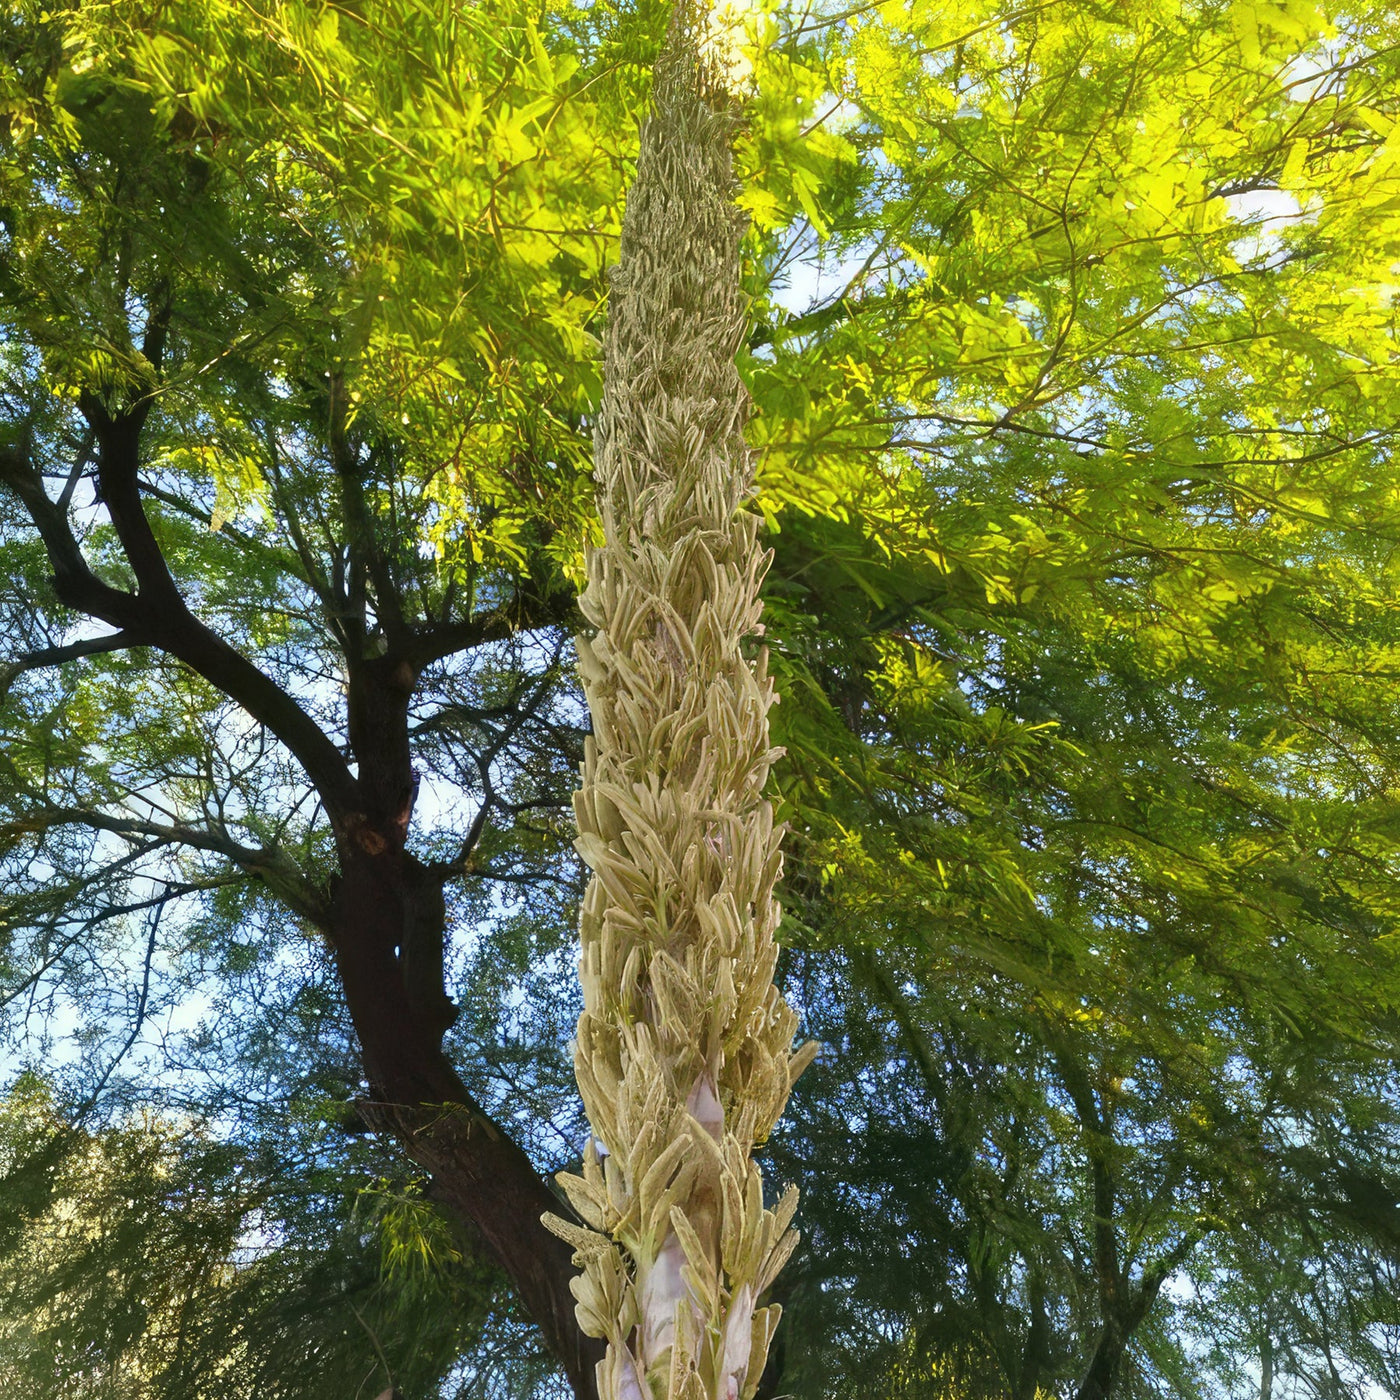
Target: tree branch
x=366, y=560
x=157, y=615
x=272, y=865
x=140, y=1019
x=72, y=651
x=524, y=610
x=75, y=583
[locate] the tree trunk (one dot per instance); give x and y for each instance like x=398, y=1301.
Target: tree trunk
x=1036, y=1352
x=1127, y=1306
x=478, y=1171
x=684, y=1046
x=1097, y=1383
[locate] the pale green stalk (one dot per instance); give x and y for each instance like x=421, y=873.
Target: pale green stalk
x=684, y=1055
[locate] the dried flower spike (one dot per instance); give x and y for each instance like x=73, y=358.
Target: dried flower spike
x=684, y=1050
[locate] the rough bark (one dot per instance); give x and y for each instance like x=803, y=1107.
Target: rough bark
x=684, y=1046
x=1035, y=1355
x=387, y=931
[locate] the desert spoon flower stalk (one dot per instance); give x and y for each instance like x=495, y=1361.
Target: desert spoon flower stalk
x=684, y=1055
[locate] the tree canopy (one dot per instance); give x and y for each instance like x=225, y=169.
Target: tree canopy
x=1073, y=355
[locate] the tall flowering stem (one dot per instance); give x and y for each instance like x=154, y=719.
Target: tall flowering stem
x=684, y=1052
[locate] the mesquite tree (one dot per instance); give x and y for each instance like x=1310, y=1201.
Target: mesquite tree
x=684, y=1046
